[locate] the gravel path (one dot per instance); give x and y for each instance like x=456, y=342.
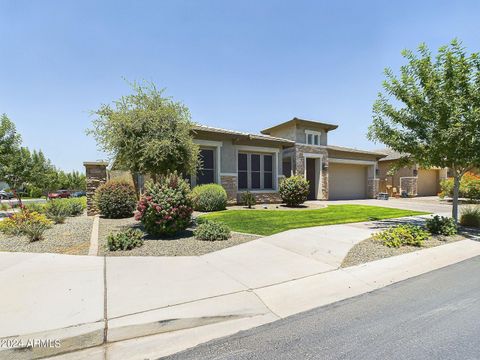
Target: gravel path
x=72, y=237
x=370, y=249
x=183, y=244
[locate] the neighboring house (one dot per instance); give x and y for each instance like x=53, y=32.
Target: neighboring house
x=243, y=162
x=414, y=180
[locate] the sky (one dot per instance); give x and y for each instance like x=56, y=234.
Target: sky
x=241, y=65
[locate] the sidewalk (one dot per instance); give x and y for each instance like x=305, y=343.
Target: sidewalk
x=175, y=303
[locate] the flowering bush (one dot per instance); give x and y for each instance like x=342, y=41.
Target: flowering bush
x=29, y=223
x=116, y=199
x=166, y=207
x=469, y=187
x=294, y=190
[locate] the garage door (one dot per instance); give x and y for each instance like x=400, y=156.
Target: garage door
x=346, y=181
x=427, y=182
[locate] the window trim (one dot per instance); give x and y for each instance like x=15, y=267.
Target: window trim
x=261, y=172
x=313, y=133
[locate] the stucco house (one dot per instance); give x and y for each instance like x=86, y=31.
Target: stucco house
x=258, y=162
x=414, y=180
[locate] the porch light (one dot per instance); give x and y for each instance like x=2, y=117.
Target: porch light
x=324, y=166
x=415, y=172
x=377, y=171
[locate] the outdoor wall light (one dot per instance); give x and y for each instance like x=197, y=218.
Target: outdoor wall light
x=415, y=172
x=324, y=167
x=377, y=171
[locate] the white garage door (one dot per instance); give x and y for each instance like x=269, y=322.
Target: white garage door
x=427, y=182
x=346, y=181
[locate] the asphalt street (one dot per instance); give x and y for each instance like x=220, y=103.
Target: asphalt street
x=433, y=316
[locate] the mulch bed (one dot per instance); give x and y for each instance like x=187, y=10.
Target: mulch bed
x=184, y=244
x=371, y=250
x=72, y=237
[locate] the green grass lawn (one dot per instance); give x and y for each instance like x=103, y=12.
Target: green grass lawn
x=268, y=222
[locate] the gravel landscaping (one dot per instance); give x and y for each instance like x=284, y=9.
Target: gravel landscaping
x=184, y=244
x=72, y=237
x=370, y=249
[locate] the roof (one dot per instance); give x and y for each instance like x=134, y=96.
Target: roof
x=296, y=121
x=210, y=129
x=391, y=154
x=352, y=150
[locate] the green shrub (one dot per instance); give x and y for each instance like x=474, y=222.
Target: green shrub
x=469, y=187
x=212, y=231
x=25, y=222
x=248, y=199
x=166, y=206
x=402, y=235
x=34, y=206
x=3, y=206
x=441, y=225
x=125, y=240
x=470, y=216
x=294, y=190
x=116, y=199
x=209, y=197
x=34, y=192
x=57, y=211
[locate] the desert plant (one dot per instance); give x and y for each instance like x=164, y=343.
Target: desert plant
x=212, y=231
x=125, y=240
x=25, y=222
x=116, y=199
x=3, y=206
x=470, y=216
x=34, y=206
x=209, y=197
x=166, y=206
x=402, y=235
x=57, y=211
x=441, y=225
x=294, y=190
x=248, y=199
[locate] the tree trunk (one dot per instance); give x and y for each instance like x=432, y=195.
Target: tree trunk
x=456, y=191
x=136, y=185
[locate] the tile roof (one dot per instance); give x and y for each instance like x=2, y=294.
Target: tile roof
x=200, y=127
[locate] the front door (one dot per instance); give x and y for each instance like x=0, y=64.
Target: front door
x=311, y=177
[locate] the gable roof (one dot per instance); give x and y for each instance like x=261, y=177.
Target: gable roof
x=210, y=129
x=297, y=121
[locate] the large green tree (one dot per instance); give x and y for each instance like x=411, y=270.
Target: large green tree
x=146, y=132
x=431, y=111
x=9, y=140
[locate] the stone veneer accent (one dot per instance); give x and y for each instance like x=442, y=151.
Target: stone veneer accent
x=96, y=173
x=270, y=197
x=230, y=184
x=373, y=186
x=408, y=184
x=299, y=164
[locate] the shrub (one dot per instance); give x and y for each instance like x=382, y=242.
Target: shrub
x=212, y=231
x=470, y=216
x=469, y=187
x=57, y=211
x=125, y=240
x=294, y=190
x=402, y=235
x=29, y=223
x=166, y=207
x=116, y=199
x=3, y=206
x=34, y=206
x=441, y=225
x=209, y=197
x=248, y=199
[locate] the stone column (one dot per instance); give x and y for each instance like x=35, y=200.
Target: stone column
x=229, y=183
x=96, y=173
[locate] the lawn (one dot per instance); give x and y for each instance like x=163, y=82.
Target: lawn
x=268, y=222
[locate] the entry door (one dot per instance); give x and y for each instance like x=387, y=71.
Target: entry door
x=311, y=177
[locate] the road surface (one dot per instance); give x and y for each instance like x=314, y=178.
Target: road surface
x=433, y=316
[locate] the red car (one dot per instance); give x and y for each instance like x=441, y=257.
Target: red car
x=60, y=194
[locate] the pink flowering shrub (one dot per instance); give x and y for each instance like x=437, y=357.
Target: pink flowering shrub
x=166, y=207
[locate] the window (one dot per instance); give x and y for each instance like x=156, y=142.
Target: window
x=206, y=172
x=255, y=171
x=312, y=137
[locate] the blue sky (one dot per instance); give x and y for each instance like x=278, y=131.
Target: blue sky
x=244, y=65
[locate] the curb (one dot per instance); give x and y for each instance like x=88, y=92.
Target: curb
x=93, y=249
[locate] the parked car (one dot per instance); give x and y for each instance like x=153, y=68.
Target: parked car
x=4, y=195
x=79, y=194
x=60, y=194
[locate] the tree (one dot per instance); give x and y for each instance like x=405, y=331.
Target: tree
x=9, y=140
x=431, y=111
x=18, y=171
x=147, y=133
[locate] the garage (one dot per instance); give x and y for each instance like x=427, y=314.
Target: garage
x=427, y=182
x=347, y=181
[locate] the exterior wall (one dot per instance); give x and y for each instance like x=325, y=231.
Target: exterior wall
x=287, y=132
x=96, y=173
x=230, y=184
x=228, y=157
x=263, y=197
x=299, y=164
x=301, y=138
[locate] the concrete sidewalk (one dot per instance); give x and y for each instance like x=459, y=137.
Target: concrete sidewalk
x=85, y=301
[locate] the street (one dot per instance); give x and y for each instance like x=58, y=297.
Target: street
x=432, y=316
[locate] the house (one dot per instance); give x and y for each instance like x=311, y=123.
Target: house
x=257, y=163
x=414, y=180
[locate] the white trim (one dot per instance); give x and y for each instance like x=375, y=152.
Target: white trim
x=313, y=133
x=351, y=161
x=313, y=155
x=257, y=149
x=318, y=172
x=208, y=143
x=228, y=174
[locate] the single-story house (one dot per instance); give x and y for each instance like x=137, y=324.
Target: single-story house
x=414, y=180
x=257, y=163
